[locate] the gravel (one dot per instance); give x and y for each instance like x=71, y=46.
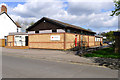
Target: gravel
x=108, y=62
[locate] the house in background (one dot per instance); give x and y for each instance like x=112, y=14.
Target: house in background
x=7, y=24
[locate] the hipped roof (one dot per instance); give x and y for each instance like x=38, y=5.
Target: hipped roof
x=59, y=23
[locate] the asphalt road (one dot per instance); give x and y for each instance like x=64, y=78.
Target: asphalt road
x=18, y=67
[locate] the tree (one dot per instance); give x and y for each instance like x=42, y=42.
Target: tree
x=117, y=8
x=24, y=25
x=31, y=23
x=109, y=35
x=117, y=37
x=89, y=29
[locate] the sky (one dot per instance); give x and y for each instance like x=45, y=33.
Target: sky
x=88, y=14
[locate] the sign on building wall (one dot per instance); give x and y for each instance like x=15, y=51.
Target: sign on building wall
x=55, y=37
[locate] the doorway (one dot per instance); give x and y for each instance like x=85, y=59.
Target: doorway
x=26, y=40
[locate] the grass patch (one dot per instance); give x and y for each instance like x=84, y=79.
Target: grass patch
x=104, y=53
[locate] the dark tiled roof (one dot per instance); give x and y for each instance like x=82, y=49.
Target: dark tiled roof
x=59, y=23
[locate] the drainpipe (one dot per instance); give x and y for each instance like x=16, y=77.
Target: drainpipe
x=17, y=30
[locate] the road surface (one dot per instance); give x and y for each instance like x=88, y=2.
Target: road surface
x=18, y=67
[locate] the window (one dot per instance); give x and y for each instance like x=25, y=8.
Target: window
x=36, y=31
x=53, y=31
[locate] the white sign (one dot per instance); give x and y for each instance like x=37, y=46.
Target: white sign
x=55, y=37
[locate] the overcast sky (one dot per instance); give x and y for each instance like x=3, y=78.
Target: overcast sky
x=89, y=14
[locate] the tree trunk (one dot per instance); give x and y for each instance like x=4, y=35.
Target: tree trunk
x=117, y=42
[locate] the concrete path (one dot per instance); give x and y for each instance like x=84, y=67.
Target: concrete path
x=52, y=55
x=18, y=67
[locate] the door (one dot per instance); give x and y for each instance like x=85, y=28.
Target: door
x=5, y=40
x=26, y=40
x=18, y=40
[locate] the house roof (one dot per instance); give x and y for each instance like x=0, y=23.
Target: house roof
x=16, y=23
x=18, y=33
x=62, y=24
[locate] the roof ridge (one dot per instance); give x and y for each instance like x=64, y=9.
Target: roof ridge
x=60, y=23
x=67, y=24
x=10, y=18
x=2, y=12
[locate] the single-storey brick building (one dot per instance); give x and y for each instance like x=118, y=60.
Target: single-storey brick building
x=52, y=34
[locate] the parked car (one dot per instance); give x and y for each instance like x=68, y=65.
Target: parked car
x=105, y=42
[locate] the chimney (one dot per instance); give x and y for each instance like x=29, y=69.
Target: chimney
x=3, y=8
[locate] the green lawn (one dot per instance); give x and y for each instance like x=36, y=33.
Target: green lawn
x=105, y=53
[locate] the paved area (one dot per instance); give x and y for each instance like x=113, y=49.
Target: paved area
x=53, y=55
x=20, y=67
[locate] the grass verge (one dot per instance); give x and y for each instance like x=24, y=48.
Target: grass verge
x=104, y=53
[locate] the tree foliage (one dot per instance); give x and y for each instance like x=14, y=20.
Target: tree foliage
x=24, y=25
x=117, y=8
x=31, y=23
x=89, y=29
x=109, y=35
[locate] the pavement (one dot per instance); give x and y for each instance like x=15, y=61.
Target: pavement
x=50, y=55
x=21, y=67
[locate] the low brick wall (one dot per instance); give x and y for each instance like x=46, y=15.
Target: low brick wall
x=2, y=42
x=83, y=40
x=67, y=41
x=10, y=40
x=44, y=41
x=70, y=40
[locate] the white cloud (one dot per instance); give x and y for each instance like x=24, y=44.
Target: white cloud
x=38, y=9
x=78, y=8
x=3, y=4
x=21, y=19
x=90, y=0
x=84, y=14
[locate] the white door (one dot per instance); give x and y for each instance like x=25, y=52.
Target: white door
x=18, y=41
